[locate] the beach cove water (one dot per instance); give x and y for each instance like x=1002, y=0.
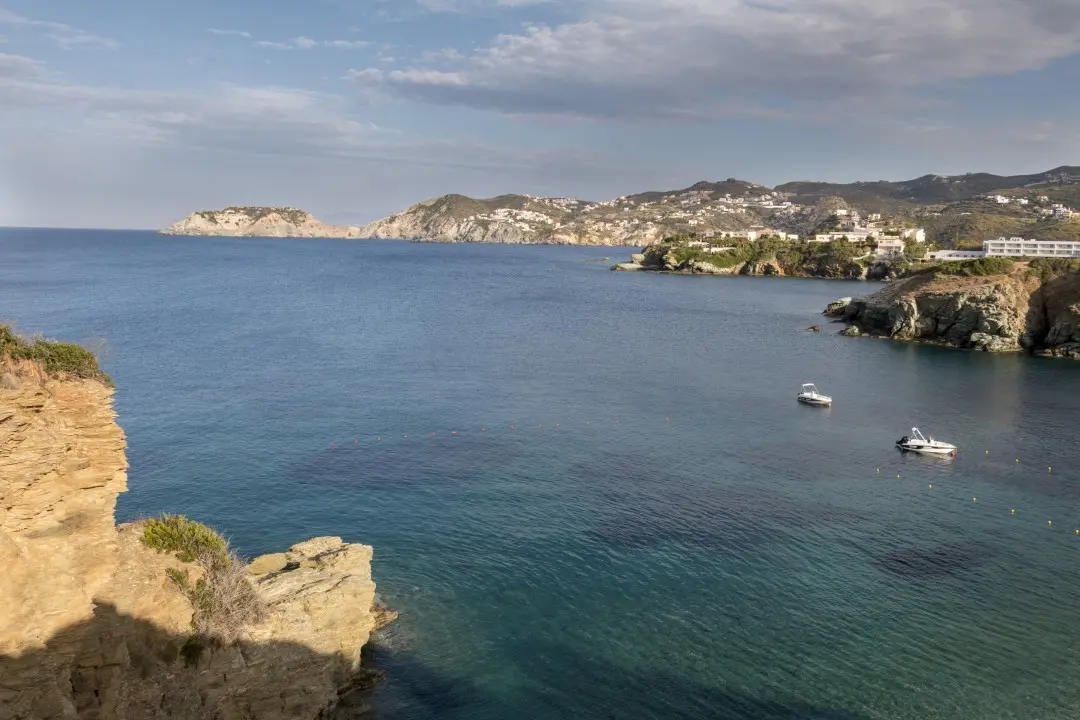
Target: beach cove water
x=592, y=494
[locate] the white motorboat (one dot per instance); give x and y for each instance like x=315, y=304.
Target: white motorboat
x=811, y=396
x=917, y=443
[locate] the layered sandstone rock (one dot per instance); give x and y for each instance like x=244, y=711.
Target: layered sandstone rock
x=90, y=624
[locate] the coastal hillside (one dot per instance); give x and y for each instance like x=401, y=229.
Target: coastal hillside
x=993, y=304
x=155, y=619
x=886, y=197
x=259, y=222
x=956, y=211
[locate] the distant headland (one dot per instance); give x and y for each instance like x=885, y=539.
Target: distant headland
x=955, y=212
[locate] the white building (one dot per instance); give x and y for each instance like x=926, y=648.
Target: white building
x=999, y=199
x=956, y=255
x=853, y=236
x=1019, y=247
x=890, y=246
x=1061, y=212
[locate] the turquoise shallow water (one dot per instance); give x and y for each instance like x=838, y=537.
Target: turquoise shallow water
x=634, y=518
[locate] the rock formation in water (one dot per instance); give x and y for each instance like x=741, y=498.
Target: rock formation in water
x=91, y=625
x=259, y=222
x=996, y=313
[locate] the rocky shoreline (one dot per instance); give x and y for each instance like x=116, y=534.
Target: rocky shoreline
x=662, y=258
x=1017, y=312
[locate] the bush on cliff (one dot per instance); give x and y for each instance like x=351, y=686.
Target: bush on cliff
x=57, y=360
x=978, y=268
x=223, y=601
x=1046, y=269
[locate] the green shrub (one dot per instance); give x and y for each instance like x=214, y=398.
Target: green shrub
x=1046, y=269
x=977, y=268
x=188, y=539
x=58, y=360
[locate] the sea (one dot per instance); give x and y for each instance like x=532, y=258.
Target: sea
x=592, y=494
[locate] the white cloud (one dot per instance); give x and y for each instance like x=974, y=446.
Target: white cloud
x=708, y=58
x=65, y=36
x=155, y=156
x=306, y=43
x=236, y=33
x=17, y=66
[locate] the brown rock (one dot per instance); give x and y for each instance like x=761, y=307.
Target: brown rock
x=266, y=564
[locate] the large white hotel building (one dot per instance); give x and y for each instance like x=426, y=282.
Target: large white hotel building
x=1019, y=247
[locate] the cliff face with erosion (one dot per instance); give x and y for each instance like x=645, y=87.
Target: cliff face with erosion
x=259, y=222
x=92, y=627
x=1000, y=313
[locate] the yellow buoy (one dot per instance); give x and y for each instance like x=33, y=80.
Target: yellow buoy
x=879, y=469
x=987, y=452
x=1017, y=459
x=974, y=499
x=1013, y=511
x=930, y=485
x=1049, y=522
x=1049, y=469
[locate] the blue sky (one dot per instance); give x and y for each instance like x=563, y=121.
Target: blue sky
x=116, y=113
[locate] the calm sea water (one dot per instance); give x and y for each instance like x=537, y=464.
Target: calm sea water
x=634, y=518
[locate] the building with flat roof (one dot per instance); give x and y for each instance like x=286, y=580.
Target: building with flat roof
x=1019, y=247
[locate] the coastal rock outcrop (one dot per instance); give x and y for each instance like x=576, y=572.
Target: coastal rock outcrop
x=967, y=312
x=259, y=222
x=994, y=313
x=91, y=626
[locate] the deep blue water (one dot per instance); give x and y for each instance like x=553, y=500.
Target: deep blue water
x=634, y=518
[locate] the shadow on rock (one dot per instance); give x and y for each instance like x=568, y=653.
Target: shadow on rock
x=116, y=667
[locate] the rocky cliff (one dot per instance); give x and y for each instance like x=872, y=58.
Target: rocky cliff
x=91, y=626
x=997, y=313
x=259, y=222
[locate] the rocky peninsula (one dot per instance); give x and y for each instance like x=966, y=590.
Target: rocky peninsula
x=260, y=222
x=992, y=306
x=154, y=619
x=766, y=257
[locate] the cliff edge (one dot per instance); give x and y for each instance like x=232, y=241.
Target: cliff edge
x=1025, y=308
x=259, y=222
x=92, y=621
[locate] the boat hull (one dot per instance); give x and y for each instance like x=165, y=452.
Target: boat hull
x=817, y=402
x=927, y=449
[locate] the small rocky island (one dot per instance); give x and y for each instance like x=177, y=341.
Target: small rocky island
x=993, y=304
x=260, y=222
x=159, y=618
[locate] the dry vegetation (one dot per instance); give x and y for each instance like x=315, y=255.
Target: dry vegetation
x=222, y=598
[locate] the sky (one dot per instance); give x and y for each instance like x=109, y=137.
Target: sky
x=132, y=114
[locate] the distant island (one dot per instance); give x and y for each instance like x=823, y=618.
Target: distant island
x=958, y=211
x=239, y=221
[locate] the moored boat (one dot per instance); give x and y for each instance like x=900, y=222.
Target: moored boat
x=915, y=442
x=810, y=396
